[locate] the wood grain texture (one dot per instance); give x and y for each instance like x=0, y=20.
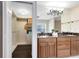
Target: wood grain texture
x=58, y=46
x=75, y=46
x=63, y=46
x=47, y=48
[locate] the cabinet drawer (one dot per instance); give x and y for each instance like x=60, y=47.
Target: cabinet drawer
x=63, y=53
x=51, y=43
x=63, y=46
x=52, y=39
x=43, y=40
x=63, y=39
x=73, y=52
x=42, y=44
x=63, y=43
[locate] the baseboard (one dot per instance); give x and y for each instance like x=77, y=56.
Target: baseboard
x=22, y=43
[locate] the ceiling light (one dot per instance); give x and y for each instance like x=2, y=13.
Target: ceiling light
x=23, y=11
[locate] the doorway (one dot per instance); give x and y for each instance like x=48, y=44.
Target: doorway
x=7, y=29
x=21, y=29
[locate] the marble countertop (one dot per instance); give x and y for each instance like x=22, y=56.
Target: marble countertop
x=56, y=36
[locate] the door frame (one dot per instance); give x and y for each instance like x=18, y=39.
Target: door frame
x=7, y=29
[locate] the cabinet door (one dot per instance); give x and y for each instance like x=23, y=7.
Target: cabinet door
x=52, y=48
x=43, y=50
x=73, y=46
x=63, y=53
x=77, y=45
x=63, y=47
x=47, y=48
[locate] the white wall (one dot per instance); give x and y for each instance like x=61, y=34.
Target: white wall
x=23, y=36
x=15, y=36
x=68, y=16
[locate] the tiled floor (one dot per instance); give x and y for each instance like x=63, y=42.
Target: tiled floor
x=22, y=51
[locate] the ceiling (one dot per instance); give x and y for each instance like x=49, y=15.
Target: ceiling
x=62, y=4
x=25, y=10
x=44, y=6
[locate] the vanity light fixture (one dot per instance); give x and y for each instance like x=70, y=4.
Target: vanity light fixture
x=57, y=7
x=55, y=12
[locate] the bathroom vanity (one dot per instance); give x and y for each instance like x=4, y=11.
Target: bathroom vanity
x=61, y=46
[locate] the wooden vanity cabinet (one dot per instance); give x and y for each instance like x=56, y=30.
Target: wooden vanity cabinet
x=63, y=46
x=74, y=45
x=58, y=47
x=77, y=45
x=42, y=48
x=52, y=47
x=47, y=47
